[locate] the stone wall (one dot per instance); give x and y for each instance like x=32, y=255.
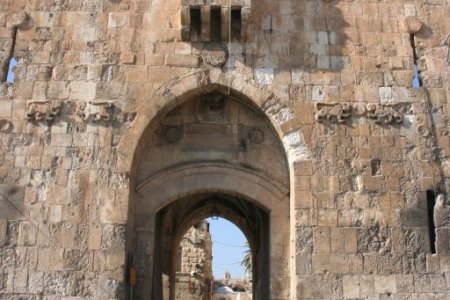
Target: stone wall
x=334, y=79
x=194, y=276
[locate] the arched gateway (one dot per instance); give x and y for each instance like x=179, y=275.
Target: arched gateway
x=215, y=151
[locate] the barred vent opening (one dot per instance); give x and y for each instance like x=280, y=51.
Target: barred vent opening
x=216, y=24
x=236, y=25
x=196, y=23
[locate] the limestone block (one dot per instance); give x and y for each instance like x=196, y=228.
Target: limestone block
x=5, y=33
x=304, y=112
x=350, y=240
x=152, y=59
x=372, y=183
x=35, y=281
x=113, y=237
x=5, y=108
x=182, y=60
x=327, y=217
x=443, y=240
x=322, y=240
x=128, y=58
x=298, y=150
x=304, y=263
x=27, y=234
x=61, y=140
x=385, y=284
x=41, y=57
x=351, y=286
x=58, y=90
x=303, y=200
x=117, y=20
x=426, y=283
x=20, y=281
x=82, y=90
x=444, y=262
x=315, y=93
x=367, y=286
x=113, y=213
x=50, y=259
x=95, y=237
x=55, y=213
x=433, y=263
x=404, y=283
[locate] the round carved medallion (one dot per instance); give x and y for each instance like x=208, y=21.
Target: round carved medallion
x=256, y=136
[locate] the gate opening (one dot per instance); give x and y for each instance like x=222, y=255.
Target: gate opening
x=186, y=273
x=212, y=155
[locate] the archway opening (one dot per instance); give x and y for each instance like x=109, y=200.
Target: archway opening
x=231, y=259
x=214, y=152
x=213, y=261
x=175, y=220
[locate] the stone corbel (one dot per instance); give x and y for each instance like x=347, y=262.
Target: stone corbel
x=42, y=111
x=384, y=114
x=337, y=112
x=95, y=111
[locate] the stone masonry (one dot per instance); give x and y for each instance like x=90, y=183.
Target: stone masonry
x=194, y=274
x=332, y=163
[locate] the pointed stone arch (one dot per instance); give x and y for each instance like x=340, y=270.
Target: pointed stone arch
x=185, y=88
x=156, y=192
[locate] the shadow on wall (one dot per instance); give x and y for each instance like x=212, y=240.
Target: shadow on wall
x=308, y=35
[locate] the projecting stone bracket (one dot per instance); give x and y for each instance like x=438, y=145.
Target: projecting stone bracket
x=103, y=112
x=383, y=114
x=42, y=111
x=335, y=112
x=95, y=111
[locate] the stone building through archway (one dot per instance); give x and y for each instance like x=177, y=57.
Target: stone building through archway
x=217, y=153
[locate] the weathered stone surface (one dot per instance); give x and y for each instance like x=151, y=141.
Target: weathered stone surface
x=313, y=101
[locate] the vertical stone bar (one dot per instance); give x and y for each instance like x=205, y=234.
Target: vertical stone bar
x=246, y=18
x=185, y=22
x=225, y=24
x=206, y=23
